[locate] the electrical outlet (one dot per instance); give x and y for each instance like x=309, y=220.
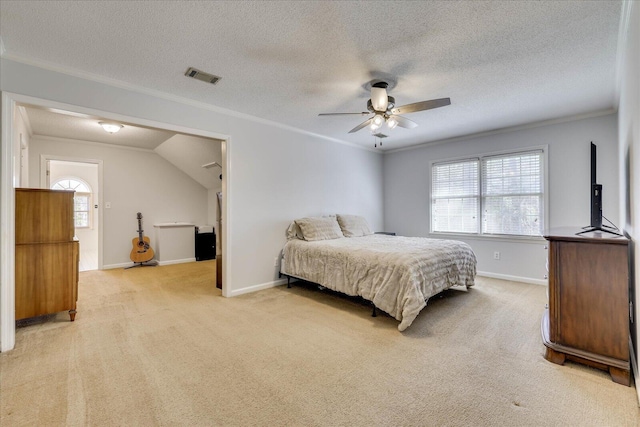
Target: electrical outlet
x=275, y=262
x=496, y=255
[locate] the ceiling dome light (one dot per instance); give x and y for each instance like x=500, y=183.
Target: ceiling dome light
x=110, y=127
x=392, y=122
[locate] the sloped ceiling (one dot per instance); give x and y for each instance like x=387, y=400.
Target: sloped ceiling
x=502, y=63
x=69, y=125
x=186, y=152
x=190, y=154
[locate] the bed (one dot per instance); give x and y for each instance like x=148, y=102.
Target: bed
x=397, y=274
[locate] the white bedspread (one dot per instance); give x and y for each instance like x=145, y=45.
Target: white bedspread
x=398, y=274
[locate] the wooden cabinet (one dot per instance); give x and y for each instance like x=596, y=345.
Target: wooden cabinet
x=46, y=255
x=588, y=316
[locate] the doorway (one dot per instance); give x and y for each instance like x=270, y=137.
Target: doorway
x=9, y=106
x=82, y=177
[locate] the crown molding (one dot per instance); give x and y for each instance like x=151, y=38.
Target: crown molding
x=531, y=125
x=169, y=97
x=623, y=31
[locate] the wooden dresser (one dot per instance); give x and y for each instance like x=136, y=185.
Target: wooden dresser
x=46, y=254
x=588, y=316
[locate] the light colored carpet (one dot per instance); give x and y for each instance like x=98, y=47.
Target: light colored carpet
x=160, y=346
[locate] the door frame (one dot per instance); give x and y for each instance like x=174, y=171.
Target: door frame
x=44, y=158
x=8, y=109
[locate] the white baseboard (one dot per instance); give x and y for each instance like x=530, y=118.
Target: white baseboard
x=258, y=287
x=279, y=282
x=129, y=264
x=542, y=282
x=114, y=266
x=176, y=261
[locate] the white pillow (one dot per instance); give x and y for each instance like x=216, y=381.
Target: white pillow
x=319, y=228
x=294, y=232
x=353, y=225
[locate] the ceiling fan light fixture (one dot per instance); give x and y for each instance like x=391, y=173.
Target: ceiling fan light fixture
x=384, y=110
x=376, y=122
x=110, y=127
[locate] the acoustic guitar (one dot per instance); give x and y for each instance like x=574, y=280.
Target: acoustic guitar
x=141, y=251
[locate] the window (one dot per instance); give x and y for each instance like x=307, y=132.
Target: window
x=81, y=199
x=512, y=194
x=490, y=195
x=455, y=197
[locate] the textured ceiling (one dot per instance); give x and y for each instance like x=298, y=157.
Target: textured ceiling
x=502, y=63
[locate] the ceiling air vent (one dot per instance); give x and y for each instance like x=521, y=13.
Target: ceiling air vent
x=379, y=135
x=201, y=75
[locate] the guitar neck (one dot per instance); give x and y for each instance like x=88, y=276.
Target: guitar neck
x=140, y=230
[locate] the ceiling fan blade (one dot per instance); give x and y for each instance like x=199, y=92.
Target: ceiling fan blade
x=421, y=106
x=364, y=113
x=379, y=98
x=361, y=125
x=403, y=122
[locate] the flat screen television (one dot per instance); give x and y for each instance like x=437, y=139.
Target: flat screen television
x=596, y=192
x=596, y=200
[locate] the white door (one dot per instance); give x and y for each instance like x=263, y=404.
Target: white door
x=83, y=179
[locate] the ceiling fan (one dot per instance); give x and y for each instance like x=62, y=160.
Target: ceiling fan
x=383, y=108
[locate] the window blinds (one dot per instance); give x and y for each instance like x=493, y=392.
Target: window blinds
x=512, y=194
x=455, y=196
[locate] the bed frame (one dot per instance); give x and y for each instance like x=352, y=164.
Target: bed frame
x=374, y=312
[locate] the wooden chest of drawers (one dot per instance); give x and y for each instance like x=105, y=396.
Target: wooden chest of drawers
x=46, y=255
x=588, y=316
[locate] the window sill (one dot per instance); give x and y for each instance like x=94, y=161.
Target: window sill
x=489, y=237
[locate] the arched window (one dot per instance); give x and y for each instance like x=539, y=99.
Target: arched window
x=81, y=199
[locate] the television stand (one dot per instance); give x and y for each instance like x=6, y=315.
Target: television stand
x=587, y=320
x=604, y=228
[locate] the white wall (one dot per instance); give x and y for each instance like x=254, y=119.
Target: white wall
x=134, y=180
x=275, y=174
x=629, y=159
x=407, y=187
x=278, y=176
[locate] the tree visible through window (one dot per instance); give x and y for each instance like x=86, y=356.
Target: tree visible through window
x=81, y=199
x=500, y=195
